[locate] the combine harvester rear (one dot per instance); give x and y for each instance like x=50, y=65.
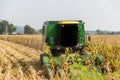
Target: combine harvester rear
x=59, y=35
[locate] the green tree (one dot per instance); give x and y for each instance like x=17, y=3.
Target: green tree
x=29, y=30
x=4, y=27
x=11, y=28
x=1, y=27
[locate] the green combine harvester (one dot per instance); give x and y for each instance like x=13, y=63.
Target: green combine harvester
x=59, y=35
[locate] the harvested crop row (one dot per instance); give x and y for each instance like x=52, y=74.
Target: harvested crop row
x=18, y=62
x=29, y=52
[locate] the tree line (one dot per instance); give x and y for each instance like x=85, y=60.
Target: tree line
x=6, y=27
x=102, y=32
x=98, y=31
x=9, y=28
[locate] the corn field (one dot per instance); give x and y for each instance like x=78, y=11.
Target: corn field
x=19, y=59
x=109, y=47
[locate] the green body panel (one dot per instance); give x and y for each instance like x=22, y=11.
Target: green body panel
x=51, y=31
x=81, y=34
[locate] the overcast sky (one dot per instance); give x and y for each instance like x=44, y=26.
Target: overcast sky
x=97, y=14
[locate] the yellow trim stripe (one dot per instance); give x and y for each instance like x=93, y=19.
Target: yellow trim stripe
x=68, y=22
